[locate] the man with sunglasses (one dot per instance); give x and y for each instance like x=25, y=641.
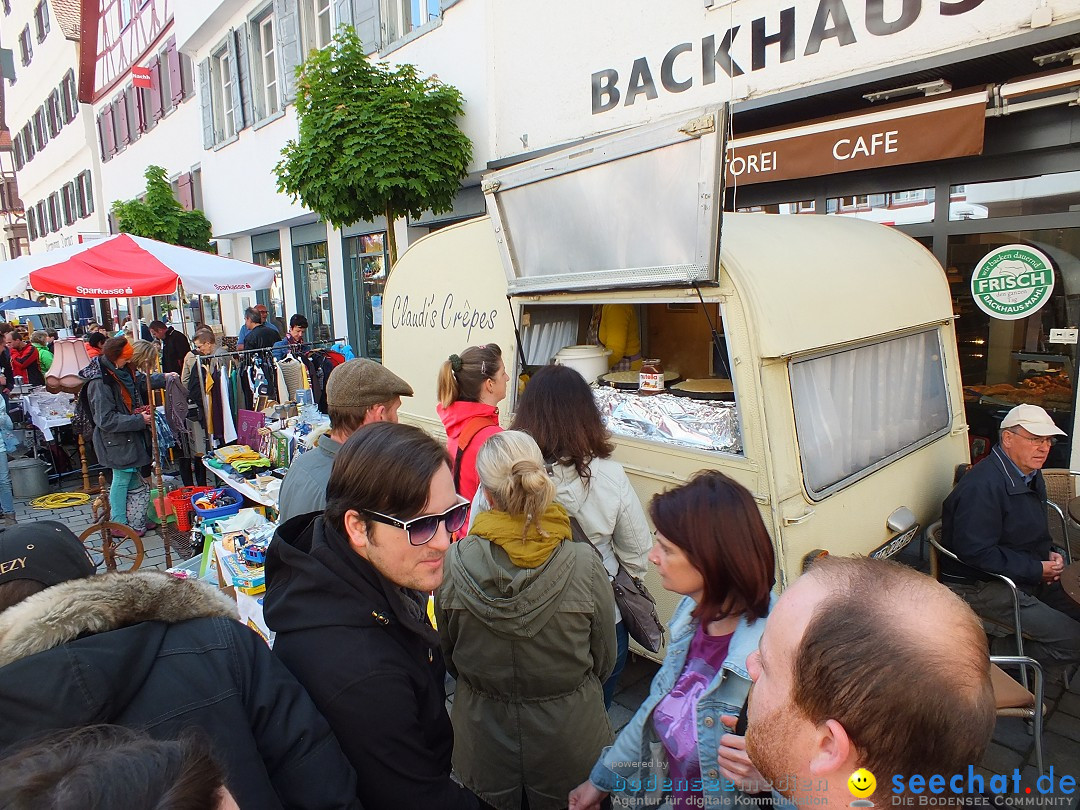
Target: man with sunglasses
x=995, y=520
x=347, y=592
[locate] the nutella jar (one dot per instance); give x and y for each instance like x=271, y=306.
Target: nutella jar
x=651, y=377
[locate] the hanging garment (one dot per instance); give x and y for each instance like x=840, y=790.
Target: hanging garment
x=176, y=406
x=282, y=387
x=291, y=371
x=165, y=436
x=228, y=426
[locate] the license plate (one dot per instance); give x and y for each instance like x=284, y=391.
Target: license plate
x=893, y=546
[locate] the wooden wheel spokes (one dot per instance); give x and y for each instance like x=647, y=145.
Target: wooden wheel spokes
x=123, y=553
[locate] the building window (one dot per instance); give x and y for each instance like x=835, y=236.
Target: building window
x=26, y=51
x=7, y=7
x=41, y=20
x=67, y=202
x=69, y=102
x=84, y=195
x=17, y=151
x=54, y=211
x=41, y=134
x=316, y=24
x=221, y=102
x=52, y=113
x=123, y=10
x=31, y=222
x=403, y=16
x=265, y=63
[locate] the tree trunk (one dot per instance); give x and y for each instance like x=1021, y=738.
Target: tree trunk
x=391, y=237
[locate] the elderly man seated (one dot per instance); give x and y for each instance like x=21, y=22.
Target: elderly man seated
x=995, y=520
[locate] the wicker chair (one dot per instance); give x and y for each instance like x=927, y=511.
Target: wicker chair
x=1060, y=489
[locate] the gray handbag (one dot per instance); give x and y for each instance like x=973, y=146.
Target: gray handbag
x=636, y=604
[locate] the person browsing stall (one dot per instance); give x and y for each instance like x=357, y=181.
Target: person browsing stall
x=346, y=593
x=995, y=519
x=174, y=346
x=358, y=392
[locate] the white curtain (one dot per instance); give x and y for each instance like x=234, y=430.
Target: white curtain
x=857, y=407
x=549, y=329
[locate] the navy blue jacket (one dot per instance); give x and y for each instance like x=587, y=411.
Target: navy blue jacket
x=996, y=522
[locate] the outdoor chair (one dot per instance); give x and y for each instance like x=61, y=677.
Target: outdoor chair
x=1012, y=699
x=1060, y=489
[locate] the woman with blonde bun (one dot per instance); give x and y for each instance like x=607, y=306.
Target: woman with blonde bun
x=527, y=624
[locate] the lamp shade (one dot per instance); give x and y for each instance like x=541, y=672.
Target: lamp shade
x=69, y=358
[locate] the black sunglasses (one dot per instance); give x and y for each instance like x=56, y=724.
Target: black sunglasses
x=422, y=529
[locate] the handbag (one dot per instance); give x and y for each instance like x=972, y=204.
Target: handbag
x=636, y=604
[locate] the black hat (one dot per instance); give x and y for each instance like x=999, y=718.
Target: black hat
x=46, y=551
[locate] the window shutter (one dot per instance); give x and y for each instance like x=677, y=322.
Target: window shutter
x=288, y=36
x=204, y=99
x=31, y=222
x=45, y=16
x=176, y=79
x=234, y=66
x=155, y=88
x=243, y=78
x=366, y=22
x=343, y=12
x=184, y=192
x=110, y=131
x=89, y=187
x=16, y=145
x=120, y=113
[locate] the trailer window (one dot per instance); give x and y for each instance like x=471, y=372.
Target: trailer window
x=859, y=409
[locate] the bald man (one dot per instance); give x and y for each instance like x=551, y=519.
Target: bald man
x=867, y=664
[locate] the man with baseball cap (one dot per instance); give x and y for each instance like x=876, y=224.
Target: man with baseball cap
x=995, y=520
x=147, y=650
x=358, y=392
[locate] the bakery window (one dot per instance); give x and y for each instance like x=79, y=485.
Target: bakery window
x=861, y=408
x=1031, y=359
x=609, y=344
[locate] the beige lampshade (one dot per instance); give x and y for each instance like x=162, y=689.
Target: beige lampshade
x=69, y=358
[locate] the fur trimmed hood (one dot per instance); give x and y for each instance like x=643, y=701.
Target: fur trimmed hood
x=102, y=603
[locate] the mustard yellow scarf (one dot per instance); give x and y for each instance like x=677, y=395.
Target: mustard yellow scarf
x=533, y=550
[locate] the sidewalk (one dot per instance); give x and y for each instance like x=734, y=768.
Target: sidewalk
x=1012, y=746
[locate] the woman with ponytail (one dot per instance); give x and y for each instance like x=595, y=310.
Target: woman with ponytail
x=471, y=385
x=527, y=623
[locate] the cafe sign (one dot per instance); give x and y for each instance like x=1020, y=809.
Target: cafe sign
x=1012, y=282
x=935, y=129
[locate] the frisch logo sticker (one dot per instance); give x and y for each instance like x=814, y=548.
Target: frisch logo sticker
x=1012, y=282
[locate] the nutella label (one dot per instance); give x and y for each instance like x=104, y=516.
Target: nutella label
x=648, y=381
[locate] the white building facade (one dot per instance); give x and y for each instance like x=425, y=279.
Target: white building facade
x=52, y=132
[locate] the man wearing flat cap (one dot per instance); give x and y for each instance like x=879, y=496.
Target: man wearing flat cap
x=995, y=520
x=358, y=392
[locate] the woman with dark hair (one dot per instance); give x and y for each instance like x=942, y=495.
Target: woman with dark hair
x=94, y=342
x=712, y=547
x=112, y=766
x=471, y=386
x=559, y=411
x=526, y=618
x=121, y=429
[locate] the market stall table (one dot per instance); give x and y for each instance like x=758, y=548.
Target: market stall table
x=47, y=411
x=244, y=487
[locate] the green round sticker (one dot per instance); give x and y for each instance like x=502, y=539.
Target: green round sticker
x=1012, y=282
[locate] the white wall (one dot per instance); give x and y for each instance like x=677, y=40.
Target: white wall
x=544, y=61
x=70, y=152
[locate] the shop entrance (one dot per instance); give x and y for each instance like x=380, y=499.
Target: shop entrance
x=1006, y=362
x=365, y=268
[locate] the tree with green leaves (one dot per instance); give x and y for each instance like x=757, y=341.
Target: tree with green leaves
x=375, y=139
x=158, y=215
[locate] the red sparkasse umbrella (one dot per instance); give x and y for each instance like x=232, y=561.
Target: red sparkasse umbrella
x=125, y=266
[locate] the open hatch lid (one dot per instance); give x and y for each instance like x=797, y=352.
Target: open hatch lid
x=639, y=208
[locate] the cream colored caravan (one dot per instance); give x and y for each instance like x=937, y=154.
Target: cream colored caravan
x=845, y=416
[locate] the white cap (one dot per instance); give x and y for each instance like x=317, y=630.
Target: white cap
x=1033, y=419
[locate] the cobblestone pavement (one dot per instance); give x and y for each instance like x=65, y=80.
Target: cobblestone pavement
x=1012, y=746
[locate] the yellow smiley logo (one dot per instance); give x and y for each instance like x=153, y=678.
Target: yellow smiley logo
x=861, y=783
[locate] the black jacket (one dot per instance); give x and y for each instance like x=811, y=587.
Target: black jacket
x=996, y=522
x=370, y=659
x=261, y=337
x=174, y=348
x=150, y=651
x=121, y=437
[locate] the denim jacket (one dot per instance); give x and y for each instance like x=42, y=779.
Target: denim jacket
x=635, y=766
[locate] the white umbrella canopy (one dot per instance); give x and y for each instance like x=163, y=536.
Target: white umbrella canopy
x=130, y=266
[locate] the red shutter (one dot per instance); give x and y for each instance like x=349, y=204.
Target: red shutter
x=176, y=79
x=110, y=131
x=185, y=193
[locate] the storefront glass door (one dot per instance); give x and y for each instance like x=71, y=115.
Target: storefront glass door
x=366, y=263
x=1007, y=362
x=274, y=298
x=313, y=290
